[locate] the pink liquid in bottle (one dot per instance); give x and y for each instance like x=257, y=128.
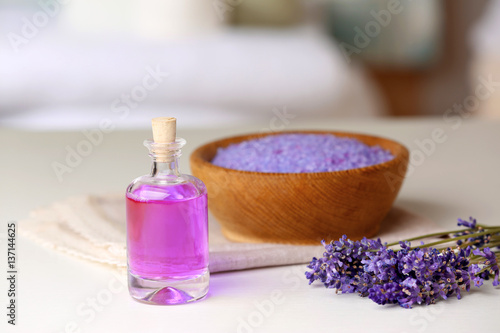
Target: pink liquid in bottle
x=167, y=242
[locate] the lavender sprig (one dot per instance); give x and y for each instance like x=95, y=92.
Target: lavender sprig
x=410, y=275
x=341, y=266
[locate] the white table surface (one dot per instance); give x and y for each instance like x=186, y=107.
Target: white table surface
x=55, y=290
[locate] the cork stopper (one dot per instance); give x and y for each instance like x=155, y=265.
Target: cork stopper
x=164, y=129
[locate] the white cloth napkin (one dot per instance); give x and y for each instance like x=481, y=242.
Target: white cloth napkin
x=93, y=227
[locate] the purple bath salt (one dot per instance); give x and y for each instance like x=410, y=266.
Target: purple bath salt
x=300, y=153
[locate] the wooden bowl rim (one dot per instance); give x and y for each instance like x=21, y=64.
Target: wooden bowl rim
x=401, y=155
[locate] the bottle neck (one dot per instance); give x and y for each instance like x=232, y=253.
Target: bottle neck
x=161, y=168
x=165, y=157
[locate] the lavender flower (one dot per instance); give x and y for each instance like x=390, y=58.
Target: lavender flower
x=468, y=224
x=425, y=274
x=341, y=266
x=406, y=276
x=387, y=293
x=476, y=278
x=490, y=263
x=382, y=264
x=474, y=241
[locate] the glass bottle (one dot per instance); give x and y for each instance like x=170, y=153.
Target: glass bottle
x=167, y=230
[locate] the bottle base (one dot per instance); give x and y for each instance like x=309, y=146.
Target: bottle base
x=168, y=291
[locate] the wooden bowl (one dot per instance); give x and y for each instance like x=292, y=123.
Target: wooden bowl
x=300, y=208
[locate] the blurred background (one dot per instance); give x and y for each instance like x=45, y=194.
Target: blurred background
x=80, y=64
